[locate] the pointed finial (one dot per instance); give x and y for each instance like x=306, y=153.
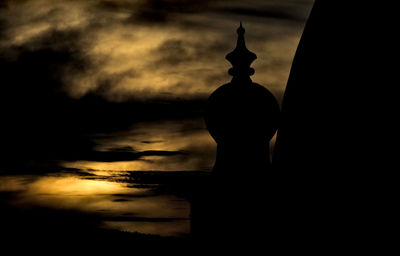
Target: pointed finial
x=240, y=29
x=241, y=58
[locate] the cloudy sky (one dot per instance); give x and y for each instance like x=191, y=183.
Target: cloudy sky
x=121, y=84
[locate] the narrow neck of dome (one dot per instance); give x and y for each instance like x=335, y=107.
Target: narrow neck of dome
x=241, y=73
x=241, y=80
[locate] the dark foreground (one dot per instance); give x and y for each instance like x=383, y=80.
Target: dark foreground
x=47, y=230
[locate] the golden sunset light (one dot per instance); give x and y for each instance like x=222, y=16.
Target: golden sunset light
x=155, y=124
x=127, y=56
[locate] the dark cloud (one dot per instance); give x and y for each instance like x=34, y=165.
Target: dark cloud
x=105, y=84
x=179, y=183
x=162, y=11
x=42, y=124
x=140, y=219
x=151, y=141
x=3, y=27
x=173, y=52
x=125, y=155
x=272, y=12
x=114, y=6
x=36, y=113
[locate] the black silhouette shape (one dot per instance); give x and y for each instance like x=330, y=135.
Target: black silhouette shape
x=328, y=155
x=242, y=117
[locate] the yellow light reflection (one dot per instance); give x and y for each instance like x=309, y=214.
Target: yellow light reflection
x=67, y=192
x=74, y=186
x=113, y=166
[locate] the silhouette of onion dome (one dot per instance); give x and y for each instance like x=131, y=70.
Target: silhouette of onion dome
x=242, y=116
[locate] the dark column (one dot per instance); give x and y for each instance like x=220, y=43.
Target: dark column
x=329, y=144
x=242, y=117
